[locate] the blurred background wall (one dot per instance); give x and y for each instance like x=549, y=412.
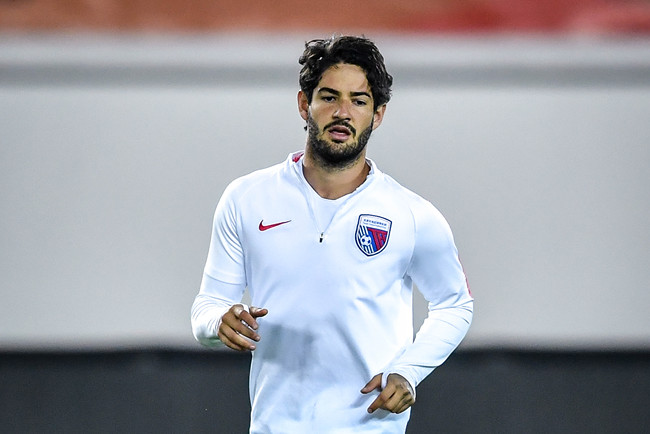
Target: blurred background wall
x=525, y=123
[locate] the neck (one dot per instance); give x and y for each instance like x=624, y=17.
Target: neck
x=335, y=183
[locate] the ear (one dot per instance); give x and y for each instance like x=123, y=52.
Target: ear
x=378, y=116
x=303, y=105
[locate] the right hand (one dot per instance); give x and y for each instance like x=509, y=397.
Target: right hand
x=237, y=328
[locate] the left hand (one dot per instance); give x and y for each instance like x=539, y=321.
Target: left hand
x=396, y=397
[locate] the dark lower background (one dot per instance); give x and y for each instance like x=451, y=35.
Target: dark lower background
x=169, y=391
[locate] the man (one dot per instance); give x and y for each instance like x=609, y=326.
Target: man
x=330, y=248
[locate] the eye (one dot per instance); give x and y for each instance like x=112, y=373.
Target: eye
x=328, y=98
x=360, y=102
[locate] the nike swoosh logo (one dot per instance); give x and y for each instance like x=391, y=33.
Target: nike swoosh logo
x=264, y=227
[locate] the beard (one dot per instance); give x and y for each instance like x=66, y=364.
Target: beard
x=335, y=156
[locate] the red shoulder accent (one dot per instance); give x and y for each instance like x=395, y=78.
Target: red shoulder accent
x=297, y=156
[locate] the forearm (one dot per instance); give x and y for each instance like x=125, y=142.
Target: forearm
x=212, y=302
x=440, y=334
x=206, y=315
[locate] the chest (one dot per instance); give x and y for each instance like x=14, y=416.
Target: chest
x=283, y=232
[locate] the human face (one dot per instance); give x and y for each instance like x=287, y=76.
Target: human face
x=340, y=117
x=337, y=157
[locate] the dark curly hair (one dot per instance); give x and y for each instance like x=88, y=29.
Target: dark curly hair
x=320, y=54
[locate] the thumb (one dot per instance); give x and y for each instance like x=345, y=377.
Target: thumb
x=373, y=384
x=257, y=312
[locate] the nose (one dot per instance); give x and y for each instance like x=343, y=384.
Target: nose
x=342, y=110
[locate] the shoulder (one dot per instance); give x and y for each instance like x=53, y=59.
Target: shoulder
x=418, y=206
x=258, y=181
x=427, y=222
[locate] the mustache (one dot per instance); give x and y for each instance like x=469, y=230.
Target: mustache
x=341, y=123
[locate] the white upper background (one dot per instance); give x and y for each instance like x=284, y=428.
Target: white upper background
x=115, y=150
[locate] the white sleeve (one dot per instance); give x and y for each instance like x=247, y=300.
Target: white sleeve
x=212, y=302
x=439, y=276
x=224, y=276
x=225, y=260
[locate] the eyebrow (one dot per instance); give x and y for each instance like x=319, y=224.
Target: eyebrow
x=336, y=92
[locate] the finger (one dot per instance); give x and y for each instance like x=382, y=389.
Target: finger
x=240, y=323
x=233, y=329
x=234, y=340
x=249, y=317
x=404, y=404
x=384, y=396
x=234, y=344
x=236, y=310
x=393, y=399
x=379, y=401
x=257, y=312
x=239, y=327
x=399, y=401
x=232, y=316
x=373, y=384
x=393, y=403
x=238, y=332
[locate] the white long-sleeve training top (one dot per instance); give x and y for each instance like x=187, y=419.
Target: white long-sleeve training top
x=337, y=278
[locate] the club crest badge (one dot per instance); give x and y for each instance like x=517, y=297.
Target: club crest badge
x=372, y=233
